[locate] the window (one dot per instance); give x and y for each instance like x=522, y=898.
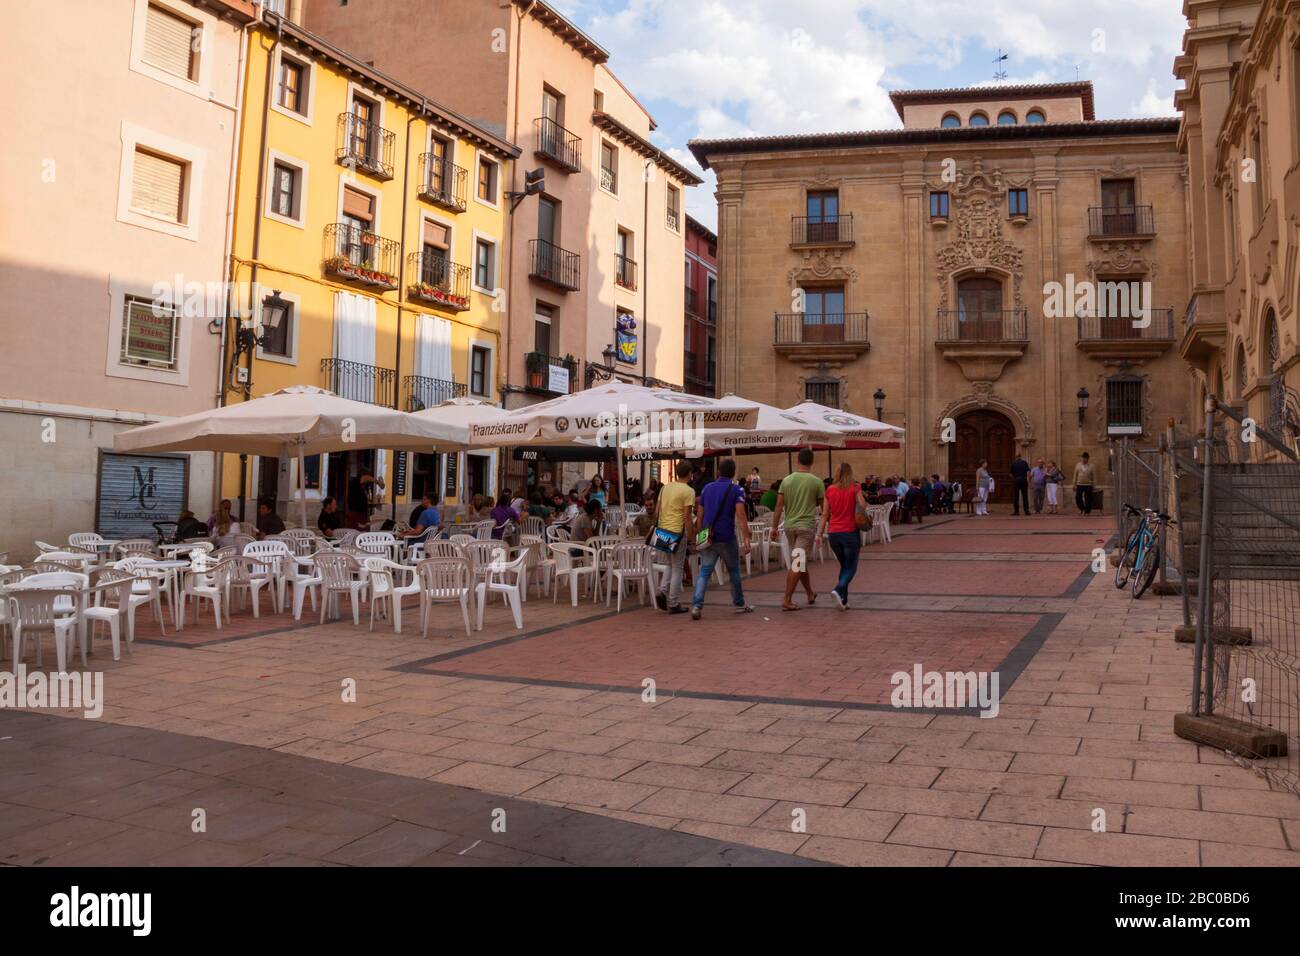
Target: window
x=823, y=315
x=608, y=167
x=171, y=42
x=435, y=258
x=480, y=364
x=938, y=205
x=598, y=100
x=284, y=191
x=713, y=299
x=1006, y=118
x=158, y=186
x=1124, y=406
x=485, y=254
x=979, y=119
x=822, y=391
x=293, y=77
x=277, y=328
x=950, y=121
x=487, y=181
x=674, y=207
x=543, y=328
x=148, y=334
x=1035, y=117
x=1018, y=202
x=823, y=209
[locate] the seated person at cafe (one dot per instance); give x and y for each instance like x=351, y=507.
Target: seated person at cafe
x=480, y=509
x=537, y=508
x=428, y=517
x=769, y=497
x=507, y=521
x=268, y=522
x=331, y=519
x=188, y=526
x=587, y=523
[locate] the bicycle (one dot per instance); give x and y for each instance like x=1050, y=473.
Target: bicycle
x=1141, y=558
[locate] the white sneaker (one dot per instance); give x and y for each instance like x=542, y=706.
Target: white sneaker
x=839, y=600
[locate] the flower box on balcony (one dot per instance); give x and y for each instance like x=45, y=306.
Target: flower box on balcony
x=431, y=293
x=342, y=266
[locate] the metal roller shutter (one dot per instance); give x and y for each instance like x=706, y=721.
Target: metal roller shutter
x=169, y=42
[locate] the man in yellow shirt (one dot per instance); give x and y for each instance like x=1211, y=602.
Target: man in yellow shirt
x=674, y=514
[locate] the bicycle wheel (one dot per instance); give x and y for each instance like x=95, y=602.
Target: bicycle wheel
x=1144, y=575
x=1129, y=558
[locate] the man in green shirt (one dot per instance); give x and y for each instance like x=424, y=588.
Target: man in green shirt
x=799, y=497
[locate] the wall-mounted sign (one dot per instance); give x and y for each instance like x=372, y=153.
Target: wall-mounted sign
x=559, y=379
x=453, y=474
x=134, y=491
x=399, y=474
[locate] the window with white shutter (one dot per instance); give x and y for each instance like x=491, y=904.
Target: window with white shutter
x=170, y=42
x=158, y=186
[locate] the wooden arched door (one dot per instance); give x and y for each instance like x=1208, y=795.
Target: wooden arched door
x=983, y=434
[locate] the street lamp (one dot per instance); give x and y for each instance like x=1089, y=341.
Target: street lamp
x=609, y=353
x=1083, y=396
x=880, y=404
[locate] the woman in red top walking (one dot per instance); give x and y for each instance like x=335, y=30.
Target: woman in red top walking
x=843, y=499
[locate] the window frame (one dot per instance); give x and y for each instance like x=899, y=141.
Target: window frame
x=477, y=346
x=480, y=237
x=672, y=190
x=1038, y=112
x=260, y=294
x=607, y=145
x=120, y=289
x=201, y=84
x=480, y=158
x=308, y=92
x=1023, y=211
x=276, y=158
x=137, y=137
x=945, y=202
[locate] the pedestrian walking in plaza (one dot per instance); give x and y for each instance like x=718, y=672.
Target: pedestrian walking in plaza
x=1038, y=485
x=1083, y=481
x=720, y=512
x=1053, y=481
x=672, y=533
x=801, y=494
x=844, y=502
x=1019, y=485
x=983, y=488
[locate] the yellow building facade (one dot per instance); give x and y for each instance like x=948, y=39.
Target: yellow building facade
x=367, y=254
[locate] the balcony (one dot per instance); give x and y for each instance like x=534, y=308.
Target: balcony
x=1105, y=337
x=821, y=338
x=698, y=372
x=437, y=281
x=356, y=255
x=550, y=373
x=982, y=342
x=1121, y=222
x=673, y=220
x=360, y=382
x=424, y=392
x=1205, y=329
x=557, y=145
x=625, y=272
x=555, y=266
x=807, y=232
x=442, y=182
x=690, y=302
x=365, y=147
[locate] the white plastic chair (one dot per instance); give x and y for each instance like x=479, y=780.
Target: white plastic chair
x=208, y=584
x=301, y=583
x=483, y=529
x=250, y=575
x=538, y=563
x=82, y=539
x=443, y=580
x=574, y=561
x=382, y=543
x=484, y=553
x=507, y=579
x=275, y=556
x=385, y=586
x=112, y=594
x=40, y=608
x=533, y=525
x=339, y=573
x=462, y=539
x=132, y=546
x=148, y=587
x=630, y=563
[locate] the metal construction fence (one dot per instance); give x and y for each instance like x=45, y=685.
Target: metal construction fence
x=1241, y=537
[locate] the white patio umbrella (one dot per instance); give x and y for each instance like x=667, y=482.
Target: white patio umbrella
x=610, y=413
x=852, y=428
x=460, y=414
x=302, y=420
x=775, y=428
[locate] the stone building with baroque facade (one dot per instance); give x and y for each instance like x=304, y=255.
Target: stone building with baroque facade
x=1240, y=69
x=951, y=266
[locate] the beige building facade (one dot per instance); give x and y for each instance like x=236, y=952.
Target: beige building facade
x=1240, y=69
x=1006, y=272
x=120, y=176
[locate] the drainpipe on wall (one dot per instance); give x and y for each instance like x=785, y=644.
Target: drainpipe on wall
x=645, y=266
x=401, y=291
x=257, y=232
x=228, y=252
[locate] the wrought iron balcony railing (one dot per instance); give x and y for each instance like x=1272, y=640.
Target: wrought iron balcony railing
x=821, y=230
x=557, y=144
x=1111, y=221
x=424, y=392
x=690, y=301
x=437, y=280
x=442, y=182
x=1158, y=325
x=673, y=220
x=551, y=264
x=358, y=255
x=360, y=382
x=805, y=328
x=987, y=325
x=538, y=365
x=365, y=146
x=625, y=272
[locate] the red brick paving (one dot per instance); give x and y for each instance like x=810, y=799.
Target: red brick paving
x=921, y=576
x=997, y=542
x=816, y=654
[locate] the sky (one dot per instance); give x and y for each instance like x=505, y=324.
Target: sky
x=709, y=68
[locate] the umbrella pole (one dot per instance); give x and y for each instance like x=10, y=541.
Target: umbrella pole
x=622, y=477
x=789, y=462
x=302, y=484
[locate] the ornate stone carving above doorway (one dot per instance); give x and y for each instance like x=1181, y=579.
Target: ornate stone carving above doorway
x=981, y=397
x=978, y=201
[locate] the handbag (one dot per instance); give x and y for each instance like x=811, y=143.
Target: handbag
x=664, y=540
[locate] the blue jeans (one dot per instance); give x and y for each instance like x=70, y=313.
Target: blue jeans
x=846, y=545
x=729, y=553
